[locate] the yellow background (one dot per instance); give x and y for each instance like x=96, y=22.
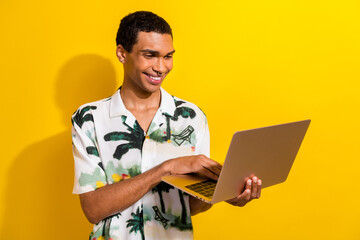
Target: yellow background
x=247, y=64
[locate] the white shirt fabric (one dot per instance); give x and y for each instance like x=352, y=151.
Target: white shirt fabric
x=110, y=146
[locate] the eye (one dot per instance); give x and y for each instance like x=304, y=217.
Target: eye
x=148, y=56
x=168, y=56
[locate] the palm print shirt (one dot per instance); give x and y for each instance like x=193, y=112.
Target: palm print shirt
x=110, y=146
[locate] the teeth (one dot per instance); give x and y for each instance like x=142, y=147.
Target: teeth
x=155, y=78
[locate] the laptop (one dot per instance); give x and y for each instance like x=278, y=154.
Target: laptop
x=267, y=152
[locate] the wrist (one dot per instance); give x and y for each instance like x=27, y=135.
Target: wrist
x=167, y=167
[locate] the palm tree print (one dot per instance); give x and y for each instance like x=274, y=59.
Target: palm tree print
x=184, y=112
x=162, y=187
x=136, y=223
x=81, y=117
x=92, y=151
x=160, y=135
x=180, y=222
x=106, y=226
x=178, y=102
x=115, y=174
x=135, y=138
x=95, y=179
x=165, y=136
x=134, y=170
x=183, y=211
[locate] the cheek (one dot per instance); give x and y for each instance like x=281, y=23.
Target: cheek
x=169, y=65
x=143, y=65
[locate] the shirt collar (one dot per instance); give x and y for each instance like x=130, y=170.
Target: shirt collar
x=117, y=107
x=167, y=105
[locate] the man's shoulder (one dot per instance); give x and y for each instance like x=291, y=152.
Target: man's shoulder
x=182, y=104
x=99, y=104
x=87, y=110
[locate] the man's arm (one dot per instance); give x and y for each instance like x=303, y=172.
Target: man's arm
x=116, y=197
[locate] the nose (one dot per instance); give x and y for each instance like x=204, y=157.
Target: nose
x=159, y=66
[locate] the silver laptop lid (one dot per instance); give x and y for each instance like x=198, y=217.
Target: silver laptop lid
x=267, y=152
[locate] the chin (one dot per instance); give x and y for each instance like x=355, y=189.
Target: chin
x=150, y=88
x=154, y=88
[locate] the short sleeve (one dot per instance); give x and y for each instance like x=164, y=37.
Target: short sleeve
x=203, y=139
x=89, y=173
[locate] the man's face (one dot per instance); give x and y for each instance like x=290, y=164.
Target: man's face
x=150, y=60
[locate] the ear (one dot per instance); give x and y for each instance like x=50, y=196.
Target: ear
x=121, y=53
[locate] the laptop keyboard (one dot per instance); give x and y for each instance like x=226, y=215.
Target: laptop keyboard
x=205, y=188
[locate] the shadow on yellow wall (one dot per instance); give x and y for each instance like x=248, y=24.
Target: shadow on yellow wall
x=38, y=200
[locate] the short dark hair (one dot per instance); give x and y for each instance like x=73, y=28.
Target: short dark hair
x=140, y=21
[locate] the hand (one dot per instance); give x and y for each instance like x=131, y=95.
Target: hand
x=195, y=164
x=252, y=191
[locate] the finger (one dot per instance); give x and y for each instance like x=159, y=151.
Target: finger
x=218, y=165
x=244, y=197
x=209, y=174
x=248, y=184
x=212, y=163
x=246, y=194
x=213, y=170
x=259, y=188
x=216, y=169
x=254, y=187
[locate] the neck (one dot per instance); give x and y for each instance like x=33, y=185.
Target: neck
x=135, y=98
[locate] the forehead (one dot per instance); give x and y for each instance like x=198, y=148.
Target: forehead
x=155, y=41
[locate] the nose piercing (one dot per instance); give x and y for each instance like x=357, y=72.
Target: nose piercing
x=160, y=74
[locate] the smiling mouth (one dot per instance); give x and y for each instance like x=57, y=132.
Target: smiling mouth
x=154, y=79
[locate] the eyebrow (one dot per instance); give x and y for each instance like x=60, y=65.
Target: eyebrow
x=155, y=52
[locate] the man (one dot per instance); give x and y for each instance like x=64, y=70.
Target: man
x=124, y=144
